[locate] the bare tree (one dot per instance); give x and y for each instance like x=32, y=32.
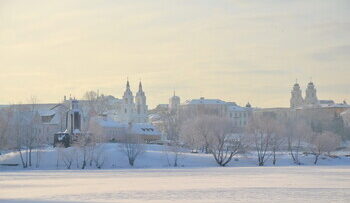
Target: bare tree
x=197, y=131
x=324, y=142
x=224, y=144
x=83, y=145
x=99, y=157
x=297, y=133
x=215, y=135
x=277, y=139
x=261, y=130
x=18, y=131
x=6, y=116
x=189, y=136
x=173, y=152
x=132, y=147
x=68, y=156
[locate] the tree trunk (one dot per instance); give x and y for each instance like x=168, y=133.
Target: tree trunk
x=30, y=157
x=316, y=158
x=84, y=164
x=21, y=155
x=274, y=158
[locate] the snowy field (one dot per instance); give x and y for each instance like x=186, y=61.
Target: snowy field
x=152, y=179
x=232, y=184
x=155, y=156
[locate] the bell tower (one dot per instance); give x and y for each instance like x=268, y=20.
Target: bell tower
x=127, y=109
x=174, y=103
x=311, y=96
x=74, y=118
x=296, y=99
x=141, y=106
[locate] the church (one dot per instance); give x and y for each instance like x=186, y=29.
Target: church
x=133, y=109
x=310, y=100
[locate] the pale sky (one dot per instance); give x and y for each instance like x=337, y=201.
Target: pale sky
x=248, y=50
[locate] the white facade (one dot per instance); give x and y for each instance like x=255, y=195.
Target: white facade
x=133, y=110
x=297, y=101
x=310, y=96
x=111, y=130
x=239, y=115
x=297, y=98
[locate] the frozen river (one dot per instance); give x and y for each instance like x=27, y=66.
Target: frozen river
x=241, y=184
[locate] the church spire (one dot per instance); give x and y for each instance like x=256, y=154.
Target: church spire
x=140, y=87
x=127, y=84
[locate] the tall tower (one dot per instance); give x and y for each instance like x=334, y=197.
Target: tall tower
x=141, y=106
x=297, y=99
x=174, y=103
x=74, y=118
x=127, y=107
x=311, y=97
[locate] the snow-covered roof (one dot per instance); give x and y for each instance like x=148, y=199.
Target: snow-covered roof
x=341, y=105
x=109, y=123
x=144, y=129
x=154, y=117
x=205, y=101
x=327, y=102
x=46, y=112
x=238, y=108
x=136, y=128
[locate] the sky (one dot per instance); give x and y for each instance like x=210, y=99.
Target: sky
x=243, y=51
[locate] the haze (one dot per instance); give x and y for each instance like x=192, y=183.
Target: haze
x=233, y=50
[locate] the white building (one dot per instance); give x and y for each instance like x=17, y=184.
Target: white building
x=110, y=130
x=239, y=115
x=134, y=110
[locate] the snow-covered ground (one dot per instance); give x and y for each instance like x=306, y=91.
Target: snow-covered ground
x=197, y=179
x=231, y=184
x=155, y=156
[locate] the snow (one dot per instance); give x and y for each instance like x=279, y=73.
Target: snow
x=198, y=179
x=234, y=184
x=156, y=156
x=205, y=101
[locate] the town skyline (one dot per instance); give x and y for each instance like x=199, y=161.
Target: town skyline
x=134, y=89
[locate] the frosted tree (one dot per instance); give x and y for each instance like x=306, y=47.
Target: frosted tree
x=297, y=132
x=132, y=146
x=262, y=132
x=223, y=143
x=6, y=116
x=189, y=136
x=17, y=131
x=324, y=142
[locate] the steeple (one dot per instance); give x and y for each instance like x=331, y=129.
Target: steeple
x=311, y=96
x=140, y=87
x=127, y=84
x=141, y=106
x=296, y=96
x=174, y=103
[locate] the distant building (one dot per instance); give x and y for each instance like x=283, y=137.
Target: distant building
x=174, y=103
x=239, y=115
x=312, y=105
x=135, y=111
x=346, y=118
x=110, y=130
